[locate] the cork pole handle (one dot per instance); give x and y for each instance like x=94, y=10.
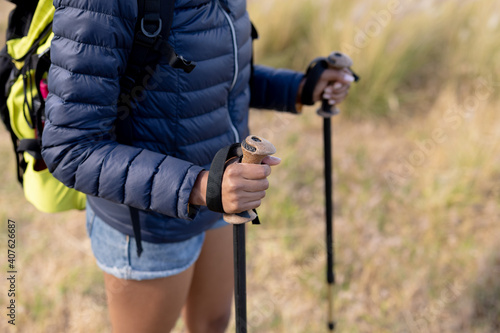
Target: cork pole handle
x=254, y=148
x=339, y=61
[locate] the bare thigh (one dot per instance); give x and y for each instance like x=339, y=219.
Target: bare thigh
x=208, y=306
x=148, y=306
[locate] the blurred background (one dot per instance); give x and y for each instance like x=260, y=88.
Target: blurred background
x=416, y=172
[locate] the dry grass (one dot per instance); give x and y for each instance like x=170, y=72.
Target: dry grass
x=417, y=181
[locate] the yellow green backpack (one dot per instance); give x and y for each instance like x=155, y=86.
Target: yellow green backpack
x=24, y=64
x=23, y=71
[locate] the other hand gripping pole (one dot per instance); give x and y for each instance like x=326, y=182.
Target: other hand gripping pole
x=254, y=150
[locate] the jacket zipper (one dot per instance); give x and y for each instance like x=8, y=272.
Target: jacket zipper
x=236, y=68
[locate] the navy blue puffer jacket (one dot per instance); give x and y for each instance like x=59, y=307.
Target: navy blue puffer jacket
x=179, y=124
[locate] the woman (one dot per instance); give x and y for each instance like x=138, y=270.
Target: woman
x=177, y=127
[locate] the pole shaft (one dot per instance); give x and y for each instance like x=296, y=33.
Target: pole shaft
x=240, y=293
x=330, y=275
x=329, y=198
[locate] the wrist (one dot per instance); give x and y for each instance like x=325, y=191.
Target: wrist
x=298, y=101
x=198, y=194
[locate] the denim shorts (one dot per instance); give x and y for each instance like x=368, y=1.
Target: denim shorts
x=115, y=252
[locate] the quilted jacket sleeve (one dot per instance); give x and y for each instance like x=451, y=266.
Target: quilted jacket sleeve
x=275, y=89
x=89, y=53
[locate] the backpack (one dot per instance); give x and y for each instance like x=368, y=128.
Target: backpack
x=24, y=63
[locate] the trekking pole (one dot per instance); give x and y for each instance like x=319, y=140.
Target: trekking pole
x=316, y=68
x=327, y=143
x=254, y=150
x=327, y=111
x=339, y=61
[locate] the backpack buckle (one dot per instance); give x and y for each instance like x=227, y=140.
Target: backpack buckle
x=149, y=34
x=179, y=62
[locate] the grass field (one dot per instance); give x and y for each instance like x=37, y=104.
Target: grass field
x=417, y=184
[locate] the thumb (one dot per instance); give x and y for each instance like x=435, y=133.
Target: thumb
x=328, y=76
x=332, y=75
x=271, y=160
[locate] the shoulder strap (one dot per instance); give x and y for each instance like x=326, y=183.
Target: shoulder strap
x=147, y=49
x=148, y=44
x=148, y=37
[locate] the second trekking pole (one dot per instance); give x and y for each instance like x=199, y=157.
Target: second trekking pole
x=340, y=61
x=316, y=68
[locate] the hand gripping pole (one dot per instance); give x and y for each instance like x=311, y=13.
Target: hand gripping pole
x=339, y=61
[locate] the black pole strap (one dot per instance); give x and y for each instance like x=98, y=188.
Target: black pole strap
x=313, y=74
x=214, y=183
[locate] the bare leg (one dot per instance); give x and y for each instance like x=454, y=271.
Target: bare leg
x=208, y=306
x=147, y=306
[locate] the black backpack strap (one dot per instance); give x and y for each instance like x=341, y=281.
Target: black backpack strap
x=41, y=64
x=42, y=67
x=149, y=42
x=136, y=226
x=20, y=18
x=6, y=68
x=31, y=146
x=147, y=49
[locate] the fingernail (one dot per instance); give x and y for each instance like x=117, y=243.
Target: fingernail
x=337, y=85
x=328, y=90
x=331, y=102
x=348, y=78
x=276, y=158
x=327, y=96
